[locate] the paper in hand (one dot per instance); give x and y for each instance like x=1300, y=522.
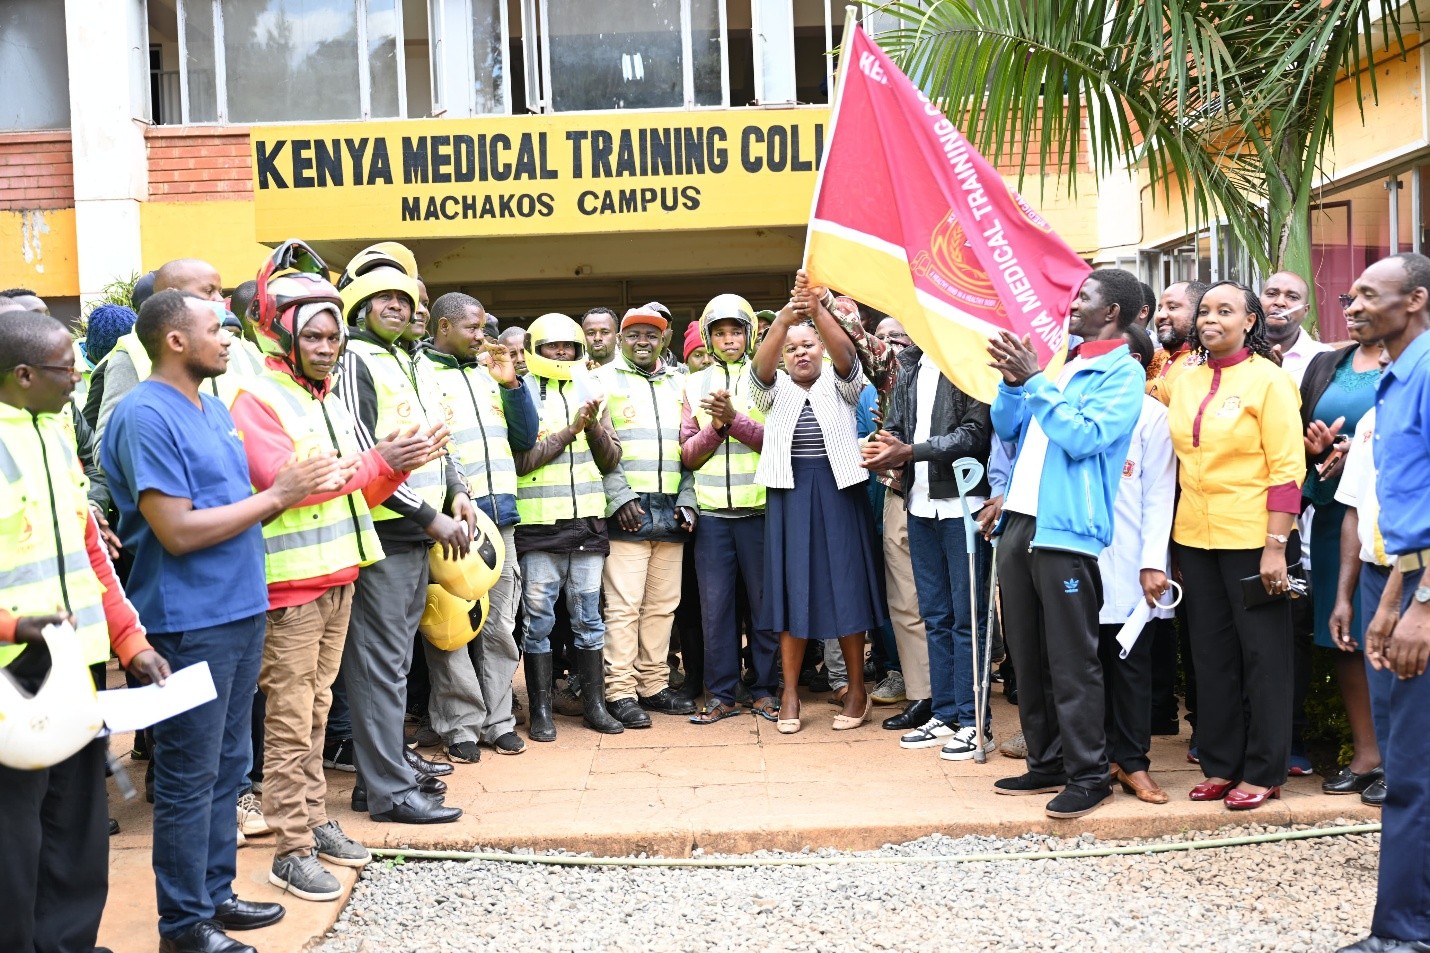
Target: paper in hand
x=132, y=709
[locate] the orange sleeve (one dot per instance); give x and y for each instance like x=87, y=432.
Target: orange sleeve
x=126, y=633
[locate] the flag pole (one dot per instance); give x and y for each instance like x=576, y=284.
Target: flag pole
x=851, y=20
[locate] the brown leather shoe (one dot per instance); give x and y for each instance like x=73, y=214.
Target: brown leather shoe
x=1144, y=790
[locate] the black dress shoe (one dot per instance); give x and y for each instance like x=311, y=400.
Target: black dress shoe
x=1347, y=781
x=667, y=701
x=916, y=713
x=206, y=936
x=113, y=827
x=1375, y=794
x=628, y=712
x=1384, y=944
x=419, y=808
x=432, y=787
x=236, y=914
x=433, y=769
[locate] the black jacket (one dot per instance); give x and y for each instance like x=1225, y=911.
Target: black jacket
x=960, y=428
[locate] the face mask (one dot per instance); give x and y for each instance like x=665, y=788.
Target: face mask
x=226, y=317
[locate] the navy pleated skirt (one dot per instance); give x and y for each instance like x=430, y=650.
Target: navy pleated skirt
x=821, y=581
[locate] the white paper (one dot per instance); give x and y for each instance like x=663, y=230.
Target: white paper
x=1137, y=621
x=130, y=709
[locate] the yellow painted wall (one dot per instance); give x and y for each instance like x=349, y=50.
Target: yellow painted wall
x=1394, y=119
x=220, y=233
x=38, y=250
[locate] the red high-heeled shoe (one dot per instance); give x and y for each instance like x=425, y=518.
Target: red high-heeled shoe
x=1239, y=800
x=1211, y=790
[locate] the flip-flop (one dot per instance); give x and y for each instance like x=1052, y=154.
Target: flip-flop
x=713, y=712
x=766, y=708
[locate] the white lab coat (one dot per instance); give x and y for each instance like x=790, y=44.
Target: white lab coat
x=1142, y=516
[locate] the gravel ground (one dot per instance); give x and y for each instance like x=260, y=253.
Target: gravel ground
x=1307, y=896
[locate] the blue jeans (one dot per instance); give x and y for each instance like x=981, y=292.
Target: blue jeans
x=200, y=759
x=728, y=549
x=1372, y=586
x=940, y=558
x=543, y=576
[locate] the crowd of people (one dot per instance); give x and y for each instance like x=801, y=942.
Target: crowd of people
x=294, y=482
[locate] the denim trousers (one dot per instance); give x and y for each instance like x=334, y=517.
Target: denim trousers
x=200, y=759
x=728, y=549
x=939, y=552
x=543, y=576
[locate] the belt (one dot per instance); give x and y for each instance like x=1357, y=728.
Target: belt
x=1413, y=561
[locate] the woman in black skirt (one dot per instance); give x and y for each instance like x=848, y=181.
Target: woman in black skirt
x=820, y=577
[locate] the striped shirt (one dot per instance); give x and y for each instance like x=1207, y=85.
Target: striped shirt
x=832, y=402
x=808, y=441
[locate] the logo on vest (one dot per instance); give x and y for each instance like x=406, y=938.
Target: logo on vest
x=404, y=408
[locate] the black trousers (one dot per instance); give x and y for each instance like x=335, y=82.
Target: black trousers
x=54, y=854
x=1244, y=668
x=1128, y=690
x=1051, y=600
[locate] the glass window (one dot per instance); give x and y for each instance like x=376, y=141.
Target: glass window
x=631, y=54
x=384, y=38
x=33, y=58
x=199, y=67
x=489, y=73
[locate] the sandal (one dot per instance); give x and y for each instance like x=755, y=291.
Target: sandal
x=767, y=708
x=713, y=712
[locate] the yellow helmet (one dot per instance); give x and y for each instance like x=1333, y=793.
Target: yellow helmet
x=383, y=278
x=549, y=329
x=472, y=576
x=728, y=307
x=392, y=254
x=450, y=623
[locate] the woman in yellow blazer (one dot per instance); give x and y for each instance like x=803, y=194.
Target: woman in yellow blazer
x=1236, y=428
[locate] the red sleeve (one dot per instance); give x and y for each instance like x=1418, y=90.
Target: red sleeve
x=749, y=432
x=126, y=634
x=1285, y=498
x=268, y=447
x=7, y=627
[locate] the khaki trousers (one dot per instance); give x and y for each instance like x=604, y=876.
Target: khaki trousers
x=301, y=654
x=642, y=582
x=904, y=600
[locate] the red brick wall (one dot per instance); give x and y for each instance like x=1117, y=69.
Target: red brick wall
x=198, y=164
x=36, y=171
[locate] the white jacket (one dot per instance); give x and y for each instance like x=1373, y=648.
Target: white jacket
x=1142, y=516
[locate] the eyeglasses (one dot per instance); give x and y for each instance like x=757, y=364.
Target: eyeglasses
x=69, y=369
x=1346, y=300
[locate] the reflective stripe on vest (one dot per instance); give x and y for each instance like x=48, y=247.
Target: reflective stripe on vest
x=44, y=566
x=646, y=414
x=569, y=487
x=309, y=542
x=399, y=405
x=727, y=480
x=477, y=419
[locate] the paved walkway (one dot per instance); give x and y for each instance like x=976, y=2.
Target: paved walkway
x=735, y=786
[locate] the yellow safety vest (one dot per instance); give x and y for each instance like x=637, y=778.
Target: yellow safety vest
x=569, y=487
x=646, y=414
x=44, y=567
x=307, y=542
x=727, y=479
x=244, y=361
x=399, y=405
x=475, y=415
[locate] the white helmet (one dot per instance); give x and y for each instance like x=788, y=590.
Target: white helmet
x=41, y=730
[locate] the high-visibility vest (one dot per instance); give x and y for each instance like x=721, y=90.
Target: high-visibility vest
x=569, y=487
x=44, y=566
x=727, y=480
x=307, y=542
x=244, y=361
x=399, y=405
x=646, y=414
x=472, y=401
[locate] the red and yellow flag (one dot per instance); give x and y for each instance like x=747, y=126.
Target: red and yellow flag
x=910, y=219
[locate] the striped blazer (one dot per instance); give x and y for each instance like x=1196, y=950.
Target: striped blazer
x=833, y=401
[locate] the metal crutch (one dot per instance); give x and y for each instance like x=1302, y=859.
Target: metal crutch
x=968, y=473
x=985, y=676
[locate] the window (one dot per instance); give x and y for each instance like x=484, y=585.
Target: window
x=33, y=58
x=633, y=54
x=284, y=60
x=468, y=40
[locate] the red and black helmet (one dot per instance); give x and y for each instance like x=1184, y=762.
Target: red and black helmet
x=293, y=276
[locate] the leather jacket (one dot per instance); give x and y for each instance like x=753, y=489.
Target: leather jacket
x=960, y=428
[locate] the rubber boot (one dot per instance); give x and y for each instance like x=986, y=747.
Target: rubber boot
x=591, y=664
x=538, y=696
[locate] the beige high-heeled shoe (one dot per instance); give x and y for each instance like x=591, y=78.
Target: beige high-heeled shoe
x=844, y=722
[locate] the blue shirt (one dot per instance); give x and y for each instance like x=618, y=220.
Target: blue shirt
x=1402, y=449
x=158, y=440
x=864, y=413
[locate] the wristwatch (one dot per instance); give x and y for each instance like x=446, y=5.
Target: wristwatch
x=1278, y=537
x=1422, y=594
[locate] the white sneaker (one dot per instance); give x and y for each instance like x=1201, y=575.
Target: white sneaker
x=964, y=745
x=928, y=735
x=250, y=816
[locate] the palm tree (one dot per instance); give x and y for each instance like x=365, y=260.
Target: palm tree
x=1227, y=103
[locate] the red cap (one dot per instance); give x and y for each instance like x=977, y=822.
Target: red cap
x=693, y=340
x=644, y=315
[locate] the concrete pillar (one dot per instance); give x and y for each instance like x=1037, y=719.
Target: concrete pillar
x=107, y=42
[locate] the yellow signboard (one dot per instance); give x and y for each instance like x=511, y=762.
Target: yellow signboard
x=537, y=175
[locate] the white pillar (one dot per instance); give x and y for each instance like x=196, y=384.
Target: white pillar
x=107, y=42
x=772, y=22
